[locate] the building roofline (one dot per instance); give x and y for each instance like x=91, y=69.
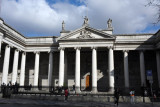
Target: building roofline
x=157, y=32
x=26, y=36
x=12, y=28
x=42, y=37
x=136, y=34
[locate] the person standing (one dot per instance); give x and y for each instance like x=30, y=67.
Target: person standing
x=73, y=87
x=66, y=94
x=116, y=95
x=132, y=94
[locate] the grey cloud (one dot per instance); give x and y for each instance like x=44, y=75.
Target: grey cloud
x=38, y=17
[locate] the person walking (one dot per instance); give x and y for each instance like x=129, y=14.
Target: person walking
x=116, y=96
x=132, y=94
x=66, y=94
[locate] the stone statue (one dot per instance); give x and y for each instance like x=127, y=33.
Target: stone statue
x=109, y=22
x=63, y=26
x=85, y=35
x=85, y=21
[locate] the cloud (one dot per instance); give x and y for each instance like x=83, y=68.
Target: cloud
x=32, y=17
x=39, y=17
x=128, y=16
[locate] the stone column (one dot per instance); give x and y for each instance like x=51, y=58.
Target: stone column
x=111, y=68
x=126, y=71
x=6, y=65
x=22, y=74
x=142, y=69
x=158, y=66
x=15, y=66
x=77, y=70
x=36, y=68
x=50, y=68
x=61, y=67
x=94, y=69
x=1, y=37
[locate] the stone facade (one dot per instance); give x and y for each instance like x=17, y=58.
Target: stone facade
x=92, y=60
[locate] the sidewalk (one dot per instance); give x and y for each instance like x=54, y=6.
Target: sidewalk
x=50, y=103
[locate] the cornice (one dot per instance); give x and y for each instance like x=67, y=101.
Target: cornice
x=87, y=40
x=137, y=34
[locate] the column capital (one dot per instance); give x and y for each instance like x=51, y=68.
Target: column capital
x=142, y=50
x=24, y=52
x=94, y=47
x=36, y=52
x=9, y=46
x=110, y=47
x=51, y=51
x=61, y=48
x=126, y=51
x=77, y=48
x=18, y=50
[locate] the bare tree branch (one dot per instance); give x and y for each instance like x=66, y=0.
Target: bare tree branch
x=155, y=4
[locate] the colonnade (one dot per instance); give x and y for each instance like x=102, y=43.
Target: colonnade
x=94, y=68
x=77, y=67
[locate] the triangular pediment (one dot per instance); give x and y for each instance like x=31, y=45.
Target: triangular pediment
x=86, y=33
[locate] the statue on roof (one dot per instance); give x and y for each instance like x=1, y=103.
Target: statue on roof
x=63, y=26
x=86, y=20
x=109, y=23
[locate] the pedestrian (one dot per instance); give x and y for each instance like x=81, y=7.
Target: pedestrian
x=158, y=92
x=30, y=86
x=66, y=94
x=132, y=94
x=73, y=87
x=154, y=96
x=116, y=96
x=145, y=93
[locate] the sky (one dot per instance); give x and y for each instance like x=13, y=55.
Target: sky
x=44, y=17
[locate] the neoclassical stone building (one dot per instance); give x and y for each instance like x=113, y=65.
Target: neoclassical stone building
x=90, y=59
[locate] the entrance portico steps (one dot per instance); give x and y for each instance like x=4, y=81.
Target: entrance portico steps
x=95, y=98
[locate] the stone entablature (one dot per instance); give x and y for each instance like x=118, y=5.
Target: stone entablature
x=135, y=42
x=95, y=38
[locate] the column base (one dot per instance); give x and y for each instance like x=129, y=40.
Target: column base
x=21, y=89
x=94, y=90
x=111, y=90
x=77, y=90
x=35, y=88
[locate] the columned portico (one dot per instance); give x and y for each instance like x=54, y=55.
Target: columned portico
x=126, y=72
x=15, y=66
x=77, y=69
x=158, y=66
x=142, y=69
x=6, y=65
x=36, y=68
x=111, y=68
x=61, y=67
x=94, y=69
x=77, y=65
x=50, y=68
x=22, y=74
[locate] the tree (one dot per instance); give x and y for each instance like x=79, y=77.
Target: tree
x=155, y=4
